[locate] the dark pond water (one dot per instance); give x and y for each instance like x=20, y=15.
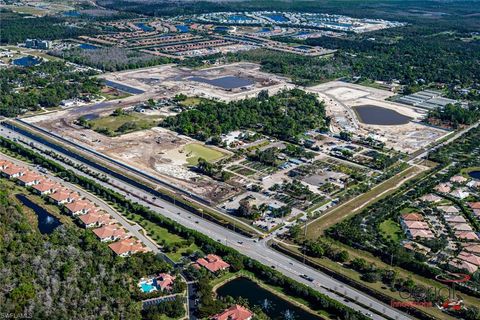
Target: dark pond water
x=90, y=116
x=123, y=87
x=71, y=14
x=87, y=46
x=27, y=61
x=275, y=307
x=238, y=18
x=277, y=17
x=474, y=174
x=46, y=222
x=183, y=28
x=380, y=116
x=228, y=82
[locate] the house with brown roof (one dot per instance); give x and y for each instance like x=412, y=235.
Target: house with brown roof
x=461, y=227
x=96, y=219
x=46, y=187
x=431, y=198
x=466, y=235
x=458, y=179
x=236, y=312
x=469, y=257
x=455, y=219
x=472, y=247
x=474, y=205
x=420, y=233
x=213, y=263
x=448, y=209
x=80, y=207
x=412, y=217
x=4, y=164
x=164, y=281
x=13, y=171
x=415, y=224
x=416, y=247
x=445, y=187
x=111, y=232
x=463, y=265
x=63, y=196
x=29, y=178
x=127, y=247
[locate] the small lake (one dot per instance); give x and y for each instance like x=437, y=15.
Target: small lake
x=369, y=114
x=88, y=46
x=182, y=28
x=238, y=18
x=27, y=61
x=275, y=307
x=228, y=82
x=46, y=222
x=474, y=174
x=144, y=27
x=277, y=17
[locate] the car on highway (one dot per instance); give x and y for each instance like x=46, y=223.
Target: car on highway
x=306, y=277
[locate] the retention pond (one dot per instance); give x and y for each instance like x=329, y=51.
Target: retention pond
x=46, y=222
x=376, y=115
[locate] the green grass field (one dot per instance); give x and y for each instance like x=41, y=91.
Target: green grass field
x=194, y=151
x=391, y=230
x=112, y=123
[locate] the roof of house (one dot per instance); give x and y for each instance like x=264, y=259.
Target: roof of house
x=461, y=227
x=64, y=194
x=469, y=257
x=474, y=205
x=213, y=263
x=416, y=224
x=94, y=217
x=236, y=312
x=463, y=265
x=165, y=280
x=421, y=233
x=417, y=247
x=13, y=169
x=466, y=235
x=80, y=205
x=448, y=209
x=472, y=247
x=459, y=193
x=113, y=230
x=458, y=179
x=46, y=185
x=455, y=219
x=30, y=176
x=412, y=217
x=443, y=187
x=129, y=245
x=430, y=198
x=4, y=163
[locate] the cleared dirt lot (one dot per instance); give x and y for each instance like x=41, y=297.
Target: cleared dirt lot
x=341, y=97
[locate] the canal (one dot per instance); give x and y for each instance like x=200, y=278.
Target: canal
x=46, y=222
x=274, y=306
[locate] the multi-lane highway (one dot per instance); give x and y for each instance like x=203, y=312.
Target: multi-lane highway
x=256, y=249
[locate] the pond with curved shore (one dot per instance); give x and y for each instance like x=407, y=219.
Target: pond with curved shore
x=370, y=114
x=475, y=174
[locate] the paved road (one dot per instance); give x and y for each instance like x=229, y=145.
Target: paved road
x=257, y=250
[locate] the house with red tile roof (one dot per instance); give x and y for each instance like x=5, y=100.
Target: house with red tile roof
x=164, y=281
x=466, y=235
x=461, y=227
x=474, y=205
x=80, y=207
x=127, y=247
x=63, y=196
x=469, y=257
x=46, y=187
x=96, y=219
x=444, y=187
x=112, y=232
x=463, y=265
x=213, y=263
x=412, y=217
x=29, y=178
x=472, y=247
x=431, y=198
x=449, y=209
x=415, y=224
x=236, y=312
x=13, y=171
x=454, y=219
x=416, y=247
x=458, y=179
x=4, y=164
x=420, y=233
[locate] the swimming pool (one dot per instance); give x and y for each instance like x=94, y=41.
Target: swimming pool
x=147, y=287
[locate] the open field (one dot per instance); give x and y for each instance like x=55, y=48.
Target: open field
x=113, y=123
x=349, y=208
x=194, y=151
x=341, y=98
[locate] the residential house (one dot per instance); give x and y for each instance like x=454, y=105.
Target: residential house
x=460, y=193
x=454, y=219
x=80, y=207
x=472, y=247
x=420, y=233
x=416, y=247
x=127, y=247
x=112, y=232
x=463, y=265
x=469, y=257
x=412, y=217
x=445, y=187
x=46, y=187
x=29, y=179
x=63, y=196
x=466, y=235
x=461, y=227
x=4, y=164
x=96, y=219
x=474, y=184
x=13, y=171
x=449, y=209
x=236, y=312
x=213, y=263
x=474, y=205
x=165, y=281
x=458, y=179
x=431, y=198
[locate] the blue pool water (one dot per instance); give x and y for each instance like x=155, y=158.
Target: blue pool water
x=144, y=27
x=238, y=18
x=147, y=287
x=277, y=17
x=182, y=28
x=27, y=61
x=87, y=46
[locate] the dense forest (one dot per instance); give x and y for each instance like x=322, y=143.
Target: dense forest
x=455, y=115
x=16, y=28
x=68, y=274
x=42, y=86
x=285, y=115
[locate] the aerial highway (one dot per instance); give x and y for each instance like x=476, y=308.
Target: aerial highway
x=253, y=248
